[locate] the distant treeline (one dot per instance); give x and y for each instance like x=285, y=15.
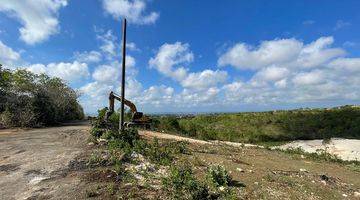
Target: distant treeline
x=28, y=100
x=271, y=126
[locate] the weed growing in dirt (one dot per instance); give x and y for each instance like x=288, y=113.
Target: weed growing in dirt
x=182, y=184
x=218, y=176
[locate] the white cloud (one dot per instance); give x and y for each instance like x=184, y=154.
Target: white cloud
x=39, y=18
x=205, y=79
x=37, y=69
x=106, y=73
x=88, y=57
x=341, y=24
x=346, y=64
x=272, y=73
x=108, y=46
x=170, y=58
x=157, y=95
x=133, y=10
x=284, y=53
x=318, y=53
x=243, y=56
x=132, y=46
x=317, y=73
x=309, y=78
x=191, y=98
x=110, y=73
x=133, y=88
x=8, y=56
x=281, y=83
x=129, y=61
x=72, y=72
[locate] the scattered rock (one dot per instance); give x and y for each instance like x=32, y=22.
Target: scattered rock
x=221, y=188
x=344, y=195
x=357, y=194
x=251, y=171
x=323, y=182
x=324, y=177
x=239, y=170
x=256, y=183
x=102, y=141
x=302, y=156
x=303, y=170
x=90, y=144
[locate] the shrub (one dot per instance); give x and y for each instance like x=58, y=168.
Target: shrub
x=96, y=132
x=218, y=176
x=182, y=184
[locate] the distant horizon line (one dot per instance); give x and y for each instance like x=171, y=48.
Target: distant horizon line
x=224, y=112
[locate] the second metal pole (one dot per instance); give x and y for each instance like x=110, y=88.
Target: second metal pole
x=121, y=123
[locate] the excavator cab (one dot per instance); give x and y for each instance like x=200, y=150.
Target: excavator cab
x=138, y=119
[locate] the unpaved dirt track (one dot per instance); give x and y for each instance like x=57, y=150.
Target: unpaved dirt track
x=33, y=163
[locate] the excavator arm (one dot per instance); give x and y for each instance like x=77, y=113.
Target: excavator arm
x=113, y=96
x=136, y=116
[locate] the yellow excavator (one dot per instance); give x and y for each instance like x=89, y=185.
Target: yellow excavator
x=138, y=119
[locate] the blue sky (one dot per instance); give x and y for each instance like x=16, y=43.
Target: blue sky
x=191, y=56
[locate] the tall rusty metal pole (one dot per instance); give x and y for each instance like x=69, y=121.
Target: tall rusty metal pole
x=121, y=123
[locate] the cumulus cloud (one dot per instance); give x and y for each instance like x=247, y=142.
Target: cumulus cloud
x=88, y=57
x=7, y=55
x=106, y=74
x=108, y=46
x=309, y=78
x=272, y=73
x=170, y=59
x=281, y=52
x=346, y=64
x=110, y=73
x=157, y=95
x=205, y=79
x=317, y=72
x=132, y=46
x=39, y=18
x=244, y=56
x=191, y=98
x=133, y=10
x=72, y=72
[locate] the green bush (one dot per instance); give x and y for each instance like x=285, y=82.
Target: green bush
x=96, y=132
x=182, y=184
x=29, y=100
x=218, y=176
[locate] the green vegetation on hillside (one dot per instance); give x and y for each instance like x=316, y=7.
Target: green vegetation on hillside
x=28, y=100
x=257, y=127
x=146, y=165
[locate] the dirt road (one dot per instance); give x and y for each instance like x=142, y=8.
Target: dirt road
x=34, y=163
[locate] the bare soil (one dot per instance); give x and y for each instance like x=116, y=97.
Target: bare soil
x=41, y=163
